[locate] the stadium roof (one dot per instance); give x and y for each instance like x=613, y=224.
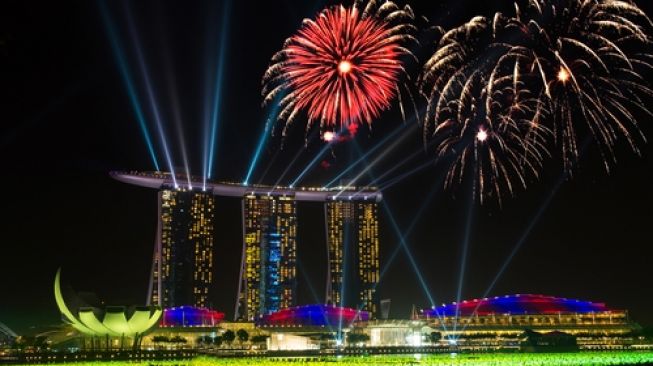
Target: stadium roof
x=313, y=316
x=159, y=180
x=189, y=316
x=517, y=304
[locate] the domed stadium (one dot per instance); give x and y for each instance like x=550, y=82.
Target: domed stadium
x=517, y=304
x=500, y=321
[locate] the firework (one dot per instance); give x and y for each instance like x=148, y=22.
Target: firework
x=581, y=63
x=344, y=67
x=499, y=145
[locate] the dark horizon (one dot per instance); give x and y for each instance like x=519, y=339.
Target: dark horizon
x=68, y=122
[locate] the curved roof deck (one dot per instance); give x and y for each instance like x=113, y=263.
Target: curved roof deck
x=517, y=304
x=158, y=180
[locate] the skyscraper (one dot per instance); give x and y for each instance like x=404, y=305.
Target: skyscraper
x=182, y=270
x=353, y=254
x=268, y=279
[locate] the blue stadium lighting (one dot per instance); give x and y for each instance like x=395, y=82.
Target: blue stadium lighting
x=217, y=101
x=152, y=99
x=188, y=316
x=127, y=80
x=520, y=304
x=311, y=316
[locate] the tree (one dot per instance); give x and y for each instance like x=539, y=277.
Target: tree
x=354, y=338
x=229, y=336
x=209, y=340
x=160, y=339
x=178, y=339
x=217, y=341
x=260, y=338
x=243, y=336
x=435, y=337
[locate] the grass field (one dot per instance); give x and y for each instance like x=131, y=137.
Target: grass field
x=569, y=359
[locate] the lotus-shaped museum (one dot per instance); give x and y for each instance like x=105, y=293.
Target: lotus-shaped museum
x=114, y=321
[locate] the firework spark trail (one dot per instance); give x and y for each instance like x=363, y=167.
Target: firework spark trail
x=344, y=67
x=499, y=89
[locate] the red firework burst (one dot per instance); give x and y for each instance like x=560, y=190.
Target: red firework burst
x=342, y=68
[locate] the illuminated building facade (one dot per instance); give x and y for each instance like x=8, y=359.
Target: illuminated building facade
x=499, y=322
x=353, y=254
x=182, y=270
x=188, y=316
x=268, y=280
x=313, y=316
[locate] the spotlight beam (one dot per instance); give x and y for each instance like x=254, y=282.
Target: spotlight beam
x=367, y=154
x=290, y=165
x=127, y=80
x=268, y=167
x=406, y=234
x=299, y=153
x=522, y=240
x=530, y=227
x=387, y=185
x=316, y=298
x=395, y=167
x=272, y=116
x=173, y=96
x=463, y=258
x=311, y=165
x=409, y=254
x=377, y=160
x=217, y=94
x=150, y=96
x=402, y=240
x=257, y=153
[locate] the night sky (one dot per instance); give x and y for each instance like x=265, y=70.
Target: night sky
x=66, y=122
